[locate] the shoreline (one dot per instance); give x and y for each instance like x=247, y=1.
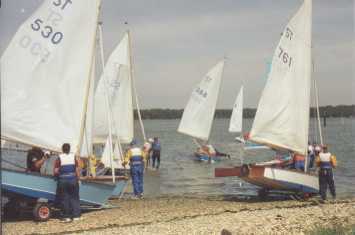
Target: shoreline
x=199, y=215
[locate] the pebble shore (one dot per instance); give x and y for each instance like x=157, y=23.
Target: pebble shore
x=187, y=215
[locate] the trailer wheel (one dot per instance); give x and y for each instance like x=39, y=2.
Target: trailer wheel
x=41, y=212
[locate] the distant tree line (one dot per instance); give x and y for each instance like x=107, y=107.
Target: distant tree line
x=325, y=111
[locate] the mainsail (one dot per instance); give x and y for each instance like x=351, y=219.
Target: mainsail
x=45, y=74
x=116, y=160
x=282, y=116
x=116, y=80
x=236, y=122
x=199, y=113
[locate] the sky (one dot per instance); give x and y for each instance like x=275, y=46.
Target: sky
x=175, y=43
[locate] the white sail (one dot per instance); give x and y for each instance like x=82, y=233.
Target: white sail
x=198, y=115
x=45, y=74
x=236, y=122
x=283, y=112
x=119, y=82
x=3, y=143
x=117, y=158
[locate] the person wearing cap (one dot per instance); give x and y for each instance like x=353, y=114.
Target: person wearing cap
x=136, y=159
x=326, y=162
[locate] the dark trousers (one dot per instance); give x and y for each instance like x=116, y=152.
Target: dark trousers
x=137, y=178
x=311, y=160
x=156, y=157
x=68, y=190
x=326, y=178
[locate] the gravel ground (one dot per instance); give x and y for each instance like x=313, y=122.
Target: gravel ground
x=184, y=215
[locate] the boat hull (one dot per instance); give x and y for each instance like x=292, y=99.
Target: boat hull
x=120, y=183
x=272, y=178
x=205, y=158
x=38, y=186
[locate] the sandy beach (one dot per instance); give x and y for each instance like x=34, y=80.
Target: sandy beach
x=209, y=215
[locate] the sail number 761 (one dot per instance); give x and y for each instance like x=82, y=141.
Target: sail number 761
x=284, y=57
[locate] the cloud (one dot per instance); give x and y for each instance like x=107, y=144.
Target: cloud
x=176, y=42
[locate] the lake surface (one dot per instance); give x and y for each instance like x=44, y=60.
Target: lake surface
x=180, y=174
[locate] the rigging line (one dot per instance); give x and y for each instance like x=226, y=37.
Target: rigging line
x=110, y=106
x=134, y=86
x=318, y=115
x=107, y=104
x=315, y=125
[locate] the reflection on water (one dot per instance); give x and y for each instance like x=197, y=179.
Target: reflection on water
x=180, y=174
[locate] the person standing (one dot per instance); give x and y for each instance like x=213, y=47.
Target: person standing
x=156, y=148
x=326, y=162
x=317, y=149
x=67, y=169
x=136, y=158
x=311, y=155
x=147, y=149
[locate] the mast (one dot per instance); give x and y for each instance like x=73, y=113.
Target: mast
x=109, y=116
x=315, y=133
x=85, y=108
x=134, y=86
x=318, y=115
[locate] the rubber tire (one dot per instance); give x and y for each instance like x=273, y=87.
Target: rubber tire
x=41, y=212
x=244, y=171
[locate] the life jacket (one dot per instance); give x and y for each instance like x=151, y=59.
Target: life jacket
x=298, y=158
x=156, y=146
x=211, y=150
x=310, y=149
x=299, y=161
x=67, y=166
x=325, y=160
x=136, y=156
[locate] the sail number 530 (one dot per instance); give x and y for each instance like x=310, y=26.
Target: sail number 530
x=284, y=57
x=47, y=31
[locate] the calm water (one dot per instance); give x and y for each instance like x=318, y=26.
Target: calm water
x=180, y=174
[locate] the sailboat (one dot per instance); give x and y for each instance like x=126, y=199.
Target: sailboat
x=236, y=121
x=199, y=112
x=45, y=80
x=116, y=84
x=236, y=124
x=282, y=118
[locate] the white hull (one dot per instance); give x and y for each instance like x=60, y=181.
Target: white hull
x=292, y=179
